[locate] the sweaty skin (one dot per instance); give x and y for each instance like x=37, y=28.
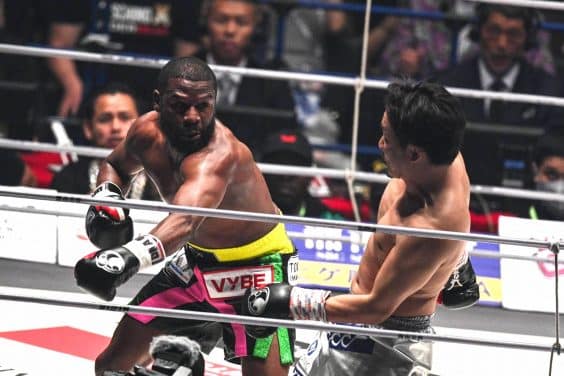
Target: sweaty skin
x=403, y=275
x=222, y=175
x=188, y=171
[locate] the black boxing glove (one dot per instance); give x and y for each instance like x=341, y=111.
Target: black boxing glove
x=461, y=290
x=108, y=226
x=101, y=272
x=283, y=301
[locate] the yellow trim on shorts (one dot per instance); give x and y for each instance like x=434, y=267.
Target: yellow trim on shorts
x=275, y=241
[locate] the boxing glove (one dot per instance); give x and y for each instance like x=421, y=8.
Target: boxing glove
x=108, y=226
x=101, y=272
x=282, y=301
x=461, y=290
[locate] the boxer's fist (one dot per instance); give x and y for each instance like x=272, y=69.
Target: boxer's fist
x=108, y=226
x=282, y=301
x=461, y=290
x=272, y=301
x=101, y=272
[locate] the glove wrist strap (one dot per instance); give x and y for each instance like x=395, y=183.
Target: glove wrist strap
x=148, y=249
x=308, y=304
x=107, y=188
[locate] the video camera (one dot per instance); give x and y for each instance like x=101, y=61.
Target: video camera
x=173, y=356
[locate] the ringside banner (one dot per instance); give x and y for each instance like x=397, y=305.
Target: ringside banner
x=328, y=257
x=333, y=263
x=530, y=286
x=28, y=235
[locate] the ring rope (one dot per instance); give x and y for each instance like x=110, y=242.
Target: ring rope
x=497, y=255
x=289, y=170
x=291, y=234
x=271, y=218
x=249, y=320
x=556, y=347
x=358, y=89
x=95, y=152
x=270, y=74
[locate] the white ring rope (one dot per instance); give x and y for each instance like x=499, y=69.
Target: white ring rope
x=291, y=234
x=358, y=89
x=538, y=4
x=249, y=320
x=371, y=177
x=272, y=218
x=95, y=152
x=270, y=74
x=359, y=83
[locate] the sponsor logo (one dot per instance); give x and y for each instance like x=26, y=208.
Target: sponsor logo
x=546, y=268
x=341, y=340
x=293, y=270
x=232, y=283
x=180, y=267
x=257, y=301
x=140, y=19
x=312, y=347
x=353, y=343
x=110, y=261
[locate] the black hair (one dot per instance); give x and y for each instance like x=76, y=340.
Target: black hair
x=108, y=89
x=530, y=17
x=207, y=4
x=425, y=114
x=551, y=143
x=189, y=68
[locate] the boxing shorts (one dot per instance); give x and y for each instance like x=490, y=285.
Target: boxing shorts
x=332, y=354
x=214, y=280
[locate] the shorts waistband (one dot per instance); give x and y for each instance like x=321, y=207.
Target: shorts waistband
x=407, y=323
x=276, y=241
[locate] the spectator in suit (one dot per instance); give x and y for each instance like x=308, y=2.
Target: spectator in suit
x=108, y=114
x=504, y=33
x=231, y=25
x=541, y=54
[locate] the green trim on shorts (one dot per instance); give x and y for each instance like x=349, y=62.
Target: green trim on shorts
x=262, y=345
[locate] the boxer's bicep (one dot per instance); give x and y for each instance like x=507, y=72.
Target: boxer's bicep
x=205, y=188
x=123, y=162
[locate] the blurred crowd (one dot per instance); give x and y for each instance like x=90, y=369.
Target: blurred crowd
x=458, y=43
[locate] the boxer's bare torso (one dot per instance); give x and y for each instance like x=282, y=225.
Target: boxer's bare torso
x=446, y=209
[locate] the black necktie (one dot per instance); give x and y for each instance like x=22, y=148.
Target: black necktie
x=496, y=106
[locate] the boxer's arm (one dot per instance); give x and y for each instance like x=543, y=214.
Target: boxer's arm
x=122, y=163
x=108, y=226
x=205, y=187
x=409, y=265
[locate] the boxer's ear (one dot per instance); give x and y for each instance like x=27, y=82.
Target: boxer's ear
x=156, y=101
x=413, y=153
